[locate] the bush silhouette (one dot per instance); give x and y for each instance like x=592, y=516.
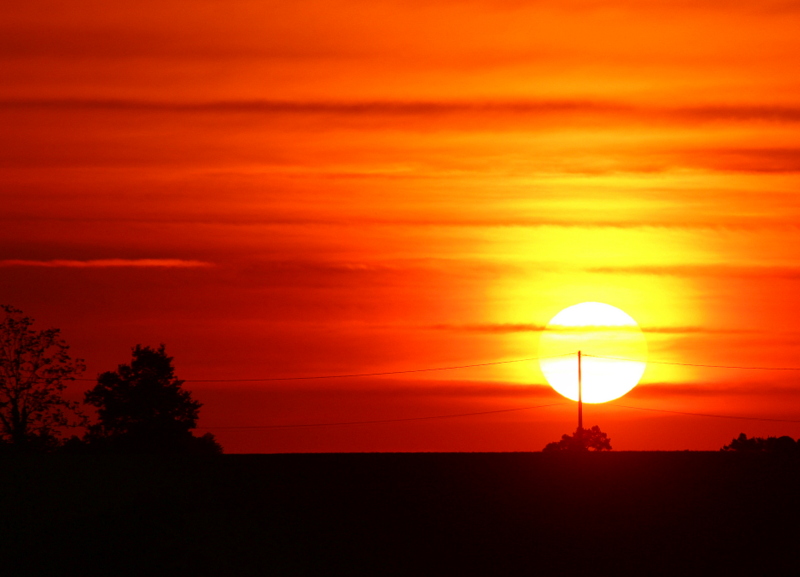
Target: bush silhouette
x=143, y=408
x=581, y=441
x=745, y=444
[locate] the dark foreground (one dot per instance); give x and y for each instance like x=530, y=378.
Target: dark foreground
x=412, y=514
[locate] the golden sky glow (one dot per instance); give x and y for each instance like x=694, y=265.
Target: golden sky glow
x=320, y=187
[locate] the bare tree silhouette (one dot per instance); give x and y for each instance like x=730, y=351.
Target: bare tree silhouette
x=35, y=368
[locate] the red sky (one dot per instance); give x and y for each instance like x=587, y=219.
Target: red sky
x=308, y=188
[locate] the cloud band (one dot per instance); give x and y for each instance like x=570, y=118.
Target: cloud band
x=107, y=263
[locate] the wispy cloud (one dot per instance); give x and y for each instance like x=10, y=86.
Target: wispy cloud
x=500, y=328
x=721, y=271
x=450, y=109
x=695, y=330
x=107, y=263
x=342, y=108
x=490, y=328
x=296, y=220
x=480, y=390
x=698, y=389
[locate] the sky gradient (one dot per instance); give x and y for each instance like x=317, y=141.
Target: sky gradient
x=283, y=189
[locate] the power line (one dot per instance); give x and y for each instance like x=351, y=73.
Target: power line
x=352, y=375
x=304, y=425
x=452, y=368
x=425, y=370
x=707, y=414
x=697, y=365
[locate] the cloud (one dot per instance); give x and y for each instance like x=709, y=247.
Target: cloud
x=694, y=330
x=107, y=263
x=382, y=387
x=298, y=220
x=424, y=108
x=701, y=389
x=755, y=160
x=717, y=271
x=388, y=388
x=465, y=389
x=427, y=109
x=410, y=116
x=490, y=328
x=502, y=328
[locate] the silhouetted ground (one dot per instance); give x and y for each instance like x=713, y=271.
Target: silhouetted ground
x=414, y=514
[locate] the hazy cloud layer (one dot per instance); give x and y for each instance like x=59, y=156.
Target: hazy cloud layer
x=501, y=328
x=452, y=112
x=106, y=263
x=371, y=388
x=766, y=389
x=721, y=224
x=721, y=271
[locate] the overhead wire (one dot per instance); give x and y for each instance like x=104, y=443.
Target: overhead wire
x=709, y=415
x=354, y=375
x=493, y=363
x=335, y=424
x=749, y=368
x=706, y=414
x=456, y=367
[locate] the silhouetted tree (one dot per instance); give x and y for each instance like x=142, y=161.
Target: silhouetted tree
x=34, y=371
x=142, y=407
x=582, y=440
x=745, y=444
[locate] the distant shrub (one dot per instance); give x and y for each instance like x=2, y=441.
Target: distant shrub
x=581, y=441
x=745, y=444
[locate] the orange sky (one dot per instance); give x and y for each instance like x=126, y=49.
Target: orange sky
x=282, y=189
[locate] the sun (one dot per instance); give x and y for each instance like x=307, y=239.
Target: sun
x=605, y=335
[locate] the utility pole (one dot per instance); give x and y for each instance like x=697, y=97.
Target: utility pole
x=580, y=395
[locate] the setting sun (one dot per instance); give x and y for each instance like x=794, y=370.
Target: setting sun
x=605, y=335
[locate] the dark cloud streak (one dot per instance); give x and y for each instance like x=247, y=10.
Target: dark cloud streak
x=427, y=109
x=289, y=220
x=703, y=389
x=107, y=263
x=716, y=271
x=506, y=328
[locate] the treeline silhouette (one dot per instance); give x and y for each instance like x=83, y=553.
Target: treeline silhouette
x=581, y=441
x=141, y=407
x=784, y=445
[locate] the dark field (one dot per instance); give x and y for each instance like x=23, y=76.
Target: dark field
x=414, y=514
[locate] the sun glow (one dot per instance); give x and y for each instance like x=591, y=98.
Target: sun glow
x=604, y=334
